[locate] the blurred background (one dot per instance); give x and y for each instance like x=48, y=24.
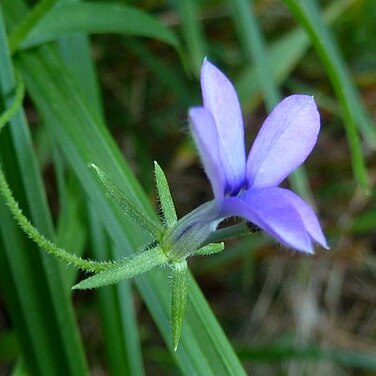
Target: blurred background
x=285, y=313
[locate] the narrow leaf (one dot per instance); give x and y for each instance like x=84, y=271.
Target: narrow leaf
x=115, y=304
x=116, y=309
x=165, y=199
x=354, y=114
x=278, y=353
x=253, y=45
x=178, y=300
x=210, y=249
x=22, y=30
x=17, y=102
x=68, y=19
x=36, y=297
x=288, y=50
x=132, y=209
x=192, y=30
x=130, y=267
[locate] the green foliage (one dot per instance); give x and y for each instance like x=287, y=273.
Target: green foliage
x=210, y=249
x=14, y=107
x=40, y=240
x=127, y=268
x=126, y=203
x=165, y=199
x=178, y=300
x=68, y=19
x=354, y=115
x=146, y=92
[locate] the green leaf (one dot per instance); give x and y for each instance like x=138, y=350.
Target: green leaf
x=36, y=297
x=71, y=228
x=365, y=222
x=178, y=299
x=12, y=109
x=68, y=19
x=210, y=249
x=168, y=74
x=116, y=309
x=234, y=253
x=192, y=32
x=255, y=50
x=354, y=114
x=279, y=353
x=28, y=23
x=126, y=203
x=115, y=303
x=288, y=51
x=165, y=199
x=128, y=268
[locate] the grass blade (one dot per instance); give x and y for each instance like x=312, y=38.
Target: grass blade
x=116, y=310
x=70, y=18
x=254, y=48
x=356, y=359
x=307, y=13
x=36, y=295
x=21, y=31
x=115, y=303
x=192, y=32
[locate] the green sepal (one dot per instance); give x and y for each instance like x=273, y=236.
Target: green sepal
x=128, y=205
x=165, y=198
x=125, y=269
x=178, y=300
x=210, y=249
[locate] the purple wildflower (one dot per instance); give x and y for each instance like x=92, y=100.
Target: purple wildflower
x=249, y=188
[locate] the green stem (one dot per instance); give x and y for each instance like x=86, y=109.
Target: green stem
x=24, y=223
x=40, y=240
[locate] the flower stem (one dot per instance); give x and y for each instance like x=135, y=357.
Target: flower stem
x=40, y=240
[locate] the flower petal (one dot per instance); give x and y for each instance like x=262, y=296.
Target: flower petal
x=221, y=100
x=205, y=135
x=285, y=140
x=280, y=213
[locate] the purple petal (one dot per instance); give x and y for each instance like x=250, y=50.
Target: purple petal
x=220, y=99
x=285, y=140
x=280, y=213
x=205, y=135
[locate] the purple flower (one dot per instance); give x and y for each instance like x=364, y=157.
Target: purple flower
x=249, y=187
